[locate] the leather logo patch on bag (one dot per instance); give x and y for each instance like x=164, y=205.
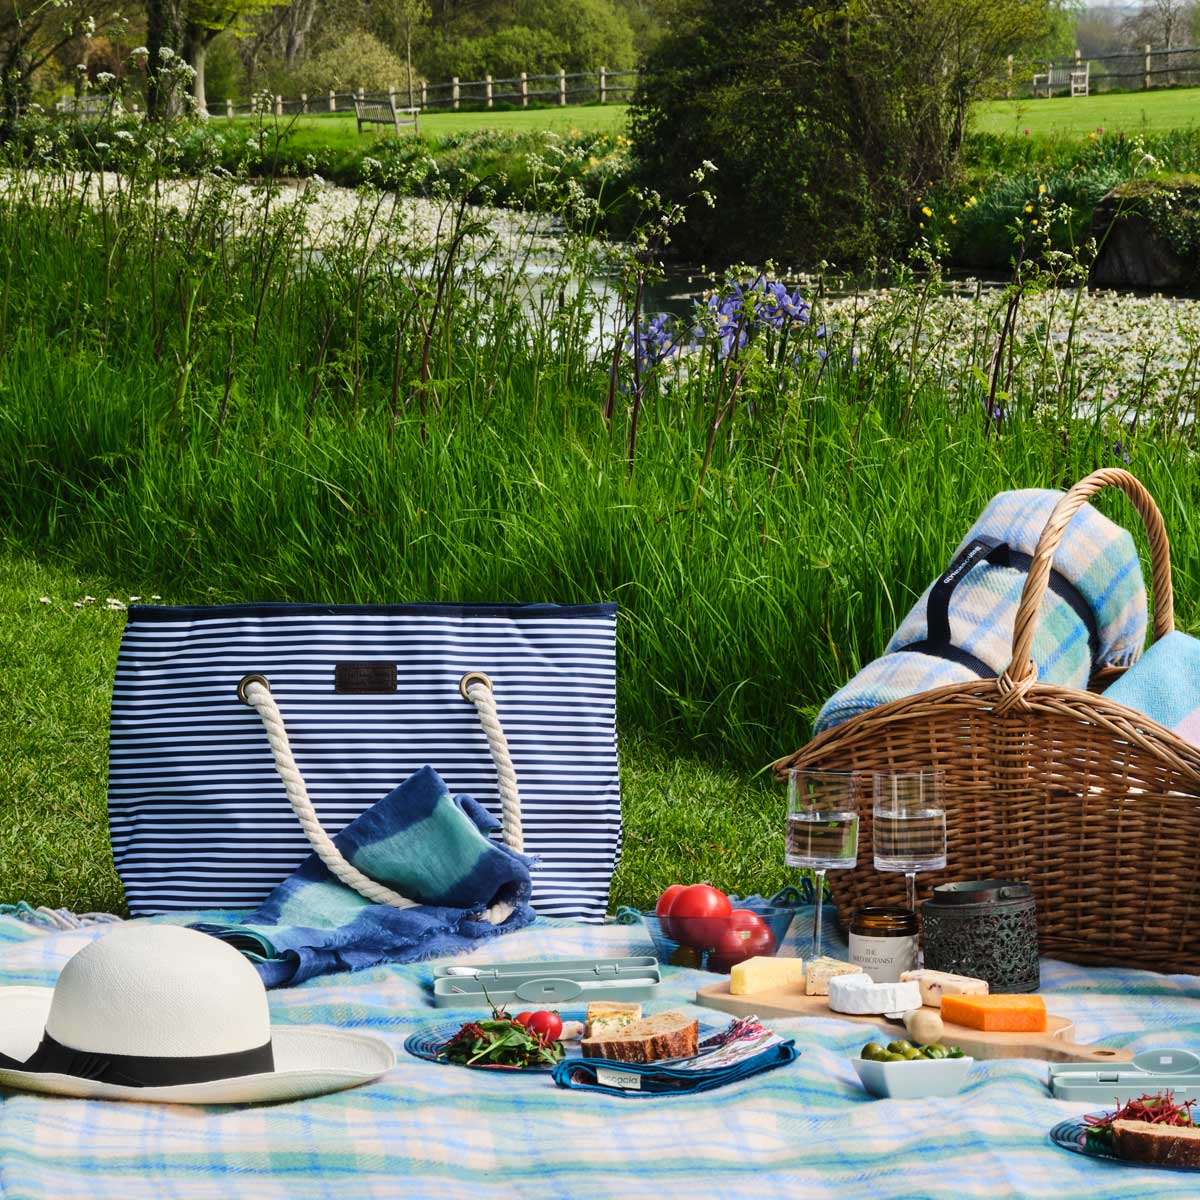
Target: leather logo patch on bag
x=364, y=678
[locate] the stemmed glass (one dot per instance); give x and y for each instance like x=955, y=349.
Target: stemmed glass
x=909, y=832
x=822, y=831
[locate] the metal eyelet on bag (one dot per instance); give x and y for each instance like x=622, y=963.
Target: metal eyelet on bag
x=245, y=682
x=469, y=678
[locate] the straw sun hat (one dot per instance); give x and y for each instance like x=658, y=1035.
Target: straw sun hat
x=158, y=1012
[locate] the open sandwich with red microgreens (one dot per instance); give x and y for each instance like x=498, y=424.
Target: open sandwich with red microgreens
x=1151, y=1129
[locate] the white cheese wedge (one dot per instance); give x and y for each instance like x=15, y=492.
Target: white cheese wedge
x=761, y=974
x=860, y=995
x=821, y=970
x=936, y=984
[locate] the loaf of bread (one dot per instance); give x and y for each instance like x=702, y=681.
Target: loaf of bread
x=1164, y=1145
x=664, y=1035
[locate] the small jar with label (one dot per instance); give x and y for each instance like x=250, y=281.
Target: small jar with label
x=883, y=941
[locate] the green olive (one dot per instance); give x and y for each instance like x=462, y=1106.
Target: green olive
x=900, y=1046
x=912, y=1053
x=874, y=1052
x=890, y=1057
x=935, y=1050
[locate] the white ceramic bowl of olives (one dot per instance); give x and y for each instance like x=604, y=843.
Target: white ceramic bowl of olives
x=903, y=1071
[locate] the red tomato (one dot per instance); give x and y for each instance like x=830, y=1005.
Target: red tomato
x=664, y=906
x=522, y=1017
x=732, y=948
x=547, y=1025
x=759, y=941
x=745, y=918
x=699, y=915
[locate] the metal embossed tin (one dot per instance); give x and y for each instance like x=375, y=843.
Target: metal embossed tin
x=987, y=930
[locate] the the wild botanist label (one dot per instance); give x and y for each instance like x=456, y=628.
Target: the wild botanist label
x=884, y=958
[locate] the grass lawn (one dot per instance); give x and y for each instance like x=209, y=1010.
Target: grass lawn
x=340, y=129
x=58, y=663
x=1130, y=112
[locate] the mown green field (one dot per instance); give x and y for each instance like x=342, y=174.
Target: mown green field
x=341, y=130
x=1123, y=112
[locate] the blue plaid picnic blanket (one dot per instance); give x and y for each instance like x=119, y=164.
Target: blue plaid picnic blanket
x=1097, y=558
x=426, y=1130
x=420, y=841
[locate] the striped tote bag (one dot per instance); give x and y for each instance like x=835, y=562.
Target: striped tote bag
x=220, y=715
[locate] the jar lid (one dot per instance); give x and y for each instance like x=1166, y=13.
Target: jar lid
x=884, y=919
x=986, y=891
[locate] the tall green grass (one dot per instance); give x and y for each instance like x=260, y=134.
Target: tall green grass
x=200, y=390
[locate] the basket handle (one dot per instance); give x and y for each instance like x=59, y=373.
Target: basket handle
x=1022, y=671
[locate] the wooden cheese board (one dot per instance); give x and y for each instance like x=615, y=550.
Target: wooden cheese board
x=1055, y=1045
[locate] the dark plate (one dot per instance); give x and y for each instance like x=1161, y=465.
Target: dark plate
x=427, y=1042
x=1070, y=1136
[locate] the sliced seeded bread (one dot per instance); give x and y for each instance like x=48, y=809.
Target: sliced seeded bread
x=1169, y=1145
x=664, y=1035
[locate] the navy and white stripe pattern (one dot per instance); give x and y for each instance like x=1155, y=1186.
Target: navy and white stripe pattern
x=199, y=818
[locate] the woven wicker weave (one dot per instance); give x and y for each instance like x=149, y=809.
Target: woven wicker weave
x=1090, y=802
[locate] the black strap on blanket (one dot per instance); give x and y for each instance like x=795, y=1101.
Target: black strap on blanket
x=133, y=1070
x=990, y=550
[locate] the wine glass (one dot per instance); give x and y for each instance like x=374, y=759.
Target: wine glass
x=909, y=825
x=822, y=832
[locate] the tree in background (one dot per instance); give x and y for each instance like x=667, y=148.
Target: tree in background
x=1160, y=23
x=404, y=18
x=33, y=33
x=825, y=120
x=203, y=21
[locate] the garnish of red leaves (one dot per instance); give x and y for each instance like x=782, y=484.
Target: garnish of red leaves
x=1159, y=1109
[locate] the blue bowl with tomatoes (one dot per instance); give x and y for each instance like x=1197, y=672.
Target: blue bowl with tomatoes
x=700, y=927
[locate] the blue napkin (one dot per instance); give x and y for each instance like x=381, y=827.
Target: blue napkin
x=419, y=841
x=723, y=1058
x=1165, y=685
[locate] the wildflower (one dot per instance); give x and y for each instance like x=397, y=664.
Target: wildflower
x=1041, y=189
x=1120, y=450
x=953, y=219
x=1029, y=208
x=1027, y=133
x=43, y=599
x=1092, y=135
x=920, y=224
x=1034, y=221
x=927, y=210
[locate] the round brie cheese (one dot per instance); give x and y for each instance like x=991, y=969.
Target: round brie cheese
x=861, y=996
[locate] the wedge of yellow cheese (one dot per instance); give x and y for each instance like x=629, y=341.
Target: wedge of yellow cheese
x=761, y=974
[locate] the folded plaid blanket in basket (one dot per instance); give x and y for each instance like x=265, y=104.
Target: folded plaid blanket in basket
x=420, y=841
x=1165, y=685
x=1094, y=613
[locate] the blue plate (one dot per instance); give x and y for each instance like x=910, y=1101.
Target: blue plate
x=1071, y=1135
x=427, y=1043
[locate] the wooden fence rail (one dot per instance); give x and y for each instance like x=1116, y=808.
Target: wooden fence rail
x=561, y=88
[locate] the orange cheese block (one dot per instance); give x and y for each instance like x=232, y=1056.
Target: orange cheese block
x=1010, y=1014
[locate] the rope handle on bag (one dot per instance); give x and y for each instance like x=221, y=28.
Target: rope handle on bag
x=1021, y=673
x=255, y=690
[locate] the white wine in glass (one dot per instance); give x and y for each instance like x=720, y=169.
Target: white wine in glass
x=909, y=832
x=822, y=830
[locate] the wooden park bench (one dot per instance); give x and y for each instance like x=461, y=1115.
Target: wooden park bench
x=1074, y=76
x=89, y=106
x=382, y=110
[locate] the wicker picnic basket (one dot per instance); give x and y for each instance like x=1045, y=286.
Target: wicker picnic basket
x=1094, y=805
